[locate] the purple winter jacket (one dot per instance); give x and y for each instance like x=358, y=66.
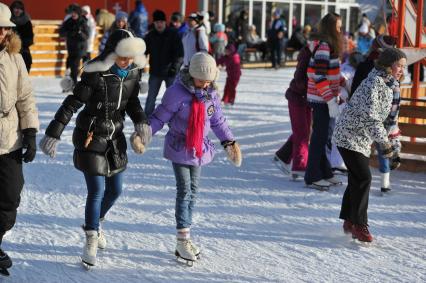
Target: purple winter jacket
x=175, y=109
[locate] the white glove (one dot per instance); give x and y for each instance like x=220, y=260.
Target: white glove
x=48, y=145
x=144, y=132
x=333, y=108
x=143, y=86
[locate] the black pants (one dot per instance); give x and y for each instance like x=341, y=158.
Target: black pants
x=11, y=184
x=73, y=62
x=355, y=198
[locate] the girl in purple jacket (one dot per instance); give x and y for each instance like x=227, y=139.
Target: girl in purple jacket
x=191, y=107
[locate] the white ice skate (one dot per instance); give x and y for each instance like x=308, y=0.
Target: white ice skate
x=334, y=181
x=285, y=168
x=90, y=249
x=321, y=185
x=297, y=175
x=101, y=238
x=185, y=252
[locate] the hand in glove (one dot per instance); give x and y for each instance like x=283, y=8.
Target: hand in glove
x=144, y=131
x=394, y=161
x=136, y=143
x=233, y=151
x=29, y=142
x=48, y=145
x=333, y=108
x=386, y=150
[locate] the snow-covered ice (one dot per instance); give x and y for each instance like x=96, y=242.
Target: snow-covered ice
x=252, y=223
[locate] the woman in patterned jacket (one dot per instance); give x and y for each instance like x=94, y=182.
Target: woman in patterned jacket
x=360, y=125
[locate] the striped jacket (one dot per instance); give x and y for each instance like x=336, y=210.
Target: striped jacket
x=324, y=76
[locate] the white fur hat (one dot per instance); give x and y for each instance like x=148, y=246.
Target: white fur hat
x=120, y=43
x=203, y=67
x=5, y=16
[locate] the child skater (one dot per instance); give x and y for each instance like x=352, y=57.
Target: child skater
x=108, y=89
x=191, y=108
x=233, y=70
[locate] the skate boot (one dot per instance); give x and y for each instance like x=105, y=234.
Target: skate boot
x=195, y=249
x=334, y=181
x=321, y=185
x=5, y=263
x=385, y=184
x=91, y=247
x=361, y=233
x=101, y=238
x=347, y=227
x=297, y=175
x=284, y=167
x=184, y=251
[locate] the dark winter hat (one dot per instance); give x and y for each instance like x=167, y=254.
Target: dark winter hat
x=75, y=8
x=176, y=17
x=120, y=43
x=383, y=41
x=196, y=17
x=231, y=48
x=158, y=15
x=388, y=57
x=18, y=5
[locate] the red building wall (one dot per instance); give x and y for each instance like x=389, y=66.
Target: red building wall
x=54, y=9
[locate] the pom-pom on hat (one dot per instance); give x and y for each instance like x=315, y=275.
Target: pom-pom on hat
x=120, y=43
x=5, y=16
x=203, y=67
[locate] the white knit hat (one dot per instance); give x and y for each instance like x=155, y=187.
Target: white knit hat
x=203, y=67
x=5, y=16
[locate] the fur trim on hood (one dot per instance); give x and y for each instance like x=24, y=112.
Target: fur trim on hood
x=133, y=47
x=14, y=44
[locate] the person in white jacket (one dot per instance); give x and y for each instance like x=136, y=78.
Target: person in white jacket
x=195, y=39
x=18, y=127
x=91, y=23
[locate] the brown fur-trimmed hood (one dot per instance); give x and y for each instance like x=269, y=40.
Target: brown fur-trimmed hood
x=13, y=44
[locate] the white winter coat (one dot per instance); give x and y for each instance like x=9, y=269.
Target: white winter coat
x=189, y=42
x=17, y=104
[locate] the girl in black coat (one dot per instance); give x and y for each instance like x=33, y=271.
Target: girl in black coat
x=108, y=89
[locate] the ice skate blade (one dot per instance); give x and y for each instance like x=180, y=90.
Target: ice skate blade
x=189, y=262
x=318, y=188
x=4, y=272
x=87, y=265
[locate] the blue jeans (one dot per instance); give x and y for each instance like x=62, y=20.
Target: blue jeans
x=318, y=166
x=187, y=178
x=384, y=166
x=154, y=85
x=100, y=200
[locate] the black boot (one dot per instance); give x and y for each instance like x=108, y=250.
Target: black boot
x=5, y=261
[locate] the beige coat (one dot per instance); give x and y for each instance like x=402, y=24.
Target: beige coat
x=17, y=104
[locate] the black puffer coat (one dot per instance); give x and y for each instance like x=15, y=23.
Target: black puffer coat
x=106, y=98
x=76, y=33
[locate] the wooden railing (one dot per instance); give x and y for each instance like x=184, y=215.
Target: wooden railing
x=49, y=51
